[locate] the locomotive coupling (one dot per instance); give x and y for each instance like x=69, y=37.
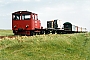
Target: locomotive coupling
x=20, y=29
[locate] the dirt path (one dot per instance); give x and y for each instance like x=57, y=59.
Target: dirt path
x=1, y=37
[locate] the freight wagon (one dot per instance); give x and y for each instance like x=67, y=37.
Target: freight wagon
x=55, y=26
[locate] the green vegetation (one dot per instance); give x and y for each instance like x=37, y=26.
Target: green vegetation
x=5, y=32
x=46, y=47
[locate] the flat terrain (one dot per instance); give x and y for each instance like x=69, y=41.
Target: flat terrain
x=44, y=47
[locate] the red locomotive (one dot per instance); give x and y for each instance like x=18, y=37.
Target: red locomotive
x=25, y=23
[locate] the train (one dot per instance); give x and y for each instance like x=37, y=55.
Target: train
x=27, y=23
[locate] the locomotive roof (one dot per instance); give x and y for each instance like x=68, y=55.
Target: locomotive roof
x=67, y=23
x=20, y=12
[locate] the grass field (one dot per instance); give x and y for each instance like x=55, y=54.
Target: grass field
x=45, y=47
x=6, y=32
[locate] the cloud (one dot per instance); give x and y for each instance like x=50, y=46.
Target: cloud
x=4, y=3
x=0, y=1
x=22, y=0
x=26, y=0
x=37, y=0
x=59, y=8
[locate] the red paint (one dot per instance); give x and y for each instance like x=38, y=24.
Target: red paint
x=30, y=24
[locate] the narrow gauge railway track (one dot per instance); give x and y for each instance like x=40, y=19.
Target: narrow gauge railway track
x=1, y=37
x=13, y=37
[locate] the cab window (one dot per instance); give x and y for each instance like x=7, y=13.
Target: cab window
x=25, y=17
x=16, y=17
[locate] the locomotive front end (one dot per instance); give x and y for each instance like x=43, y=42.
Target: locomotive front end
x=24, y=22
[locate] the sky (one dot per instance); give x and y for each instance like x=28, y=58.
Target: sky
x=75, y=11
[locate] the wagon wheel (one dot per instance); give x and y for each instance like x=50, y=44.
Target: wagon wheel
x=42, y=32
x=53, y=32
x=46, y=32
x=58, y=32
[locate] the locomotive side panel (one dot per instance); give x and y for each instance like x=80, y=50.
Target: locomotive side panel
x=37, y=24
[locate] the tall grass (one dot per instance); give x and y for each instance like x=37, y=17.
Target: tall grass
x=46, y=47
x=6, y=32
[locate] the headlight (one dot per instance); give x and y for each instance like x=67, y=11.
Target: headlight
x=27, y=26
x=15, y=26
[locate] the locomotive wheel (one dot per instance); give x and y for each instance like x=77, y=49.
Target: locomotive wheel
x=15, y=34
x=34, y=33
x=38, y=33
x=31, y=33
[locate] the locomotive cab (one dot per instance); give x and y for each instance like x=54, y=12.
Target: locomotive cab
x=23, y=22
x=21, y=15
